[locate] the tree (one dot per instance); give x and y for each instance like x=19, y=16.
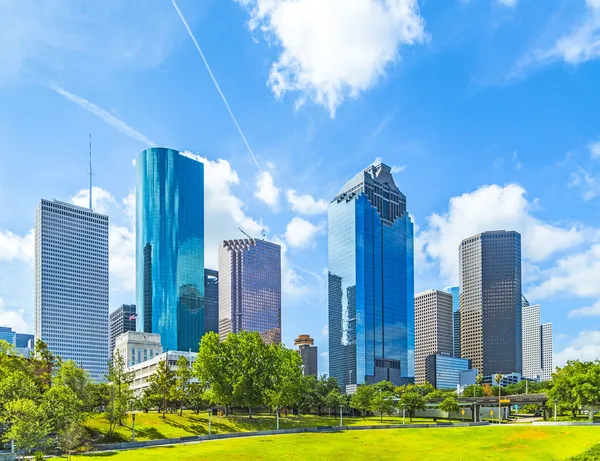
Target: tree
x=70, y=438
x=309, y=394
x=479, y=379
x=285, y=387
x=325, y=385
x=383, y=402
x=162, y=384
x=183, y=374
x=69, y=374
x=197, y=397
x=450, y=405
x=16, y=378
x=412, y=401
x=119, y=393
x=384, y=386
x=361, y=399
x=27, y=426
x=96, y=396
x=487, y=390
x=61, y=407
x=334, y=400
x=473, y=390
x=42, y=364
x=576, y=385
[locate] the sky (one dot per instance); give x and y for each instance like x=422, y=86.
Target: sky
x=487, y=110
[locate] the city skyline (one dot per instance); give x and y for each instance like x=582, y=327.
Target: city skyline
x=487, y=146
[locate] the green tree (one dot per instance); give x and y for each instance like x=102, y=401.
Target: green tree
x=197, y=397
x=385, y=386
x=325, y=385
x=479, y=379
x=412, y=401
x=183, y=374
x=70, y=375
x=43, y=363
x=61, y=406
x=383, y=402
x=70, y=438
x=27, y=426
x=576, y=385
x=362, y=398
x=309, y=394
x=162, y=384
x=96, y=396
x=334, y=400
x=285, y=386
x=450, y=405
x=16, y=378
x=473, y=390
x=119, y=394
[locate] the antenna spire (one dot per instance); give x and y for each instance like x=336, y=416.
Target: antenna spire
x=90, y=171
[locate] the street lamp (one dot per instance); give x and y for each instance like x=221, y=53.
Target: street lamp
x=209, y=421
x=498, y=379
x=132, y=423
x=277, y=413
x=341, y=415
x=403, y=413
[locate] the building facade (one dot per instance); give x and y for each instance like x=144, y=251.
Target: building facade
x=250, y=288
x=23, y=342
x=547, y=360
x=455, y=292
x=136, y=347
x=433, y=328
x=71, y=284
x=211, y=294
x=170, y=247
x=122, y=320
x=144, y=370
x=532, y=341
x=371, y=281
x=490, y=301
x=443, y=371
x=308, y=352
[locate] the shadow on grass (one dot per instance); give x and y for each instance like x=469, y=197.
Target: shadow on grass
x=150, y=432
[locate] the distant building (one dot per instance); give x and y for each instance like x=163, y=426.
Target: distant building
x=250, y=288
x=537, y=345
x=490, y=301
x=547, y=361
x=136, y=347
x=507, y=379
x=433, y=328
x=170, y=247
x=443, y=371
x=468, y=377
x=71, y=284
x=23, y=342
x=143, y=371
x=211, y=294
x=308, y=352
x=455, y=292
x=122, y=320
x=371, y=282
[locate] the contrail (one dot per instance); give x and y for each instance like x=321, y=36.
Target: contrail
x=101, y=113
x=216, y=84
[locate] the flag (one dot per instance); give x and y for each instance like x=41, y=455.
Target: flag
x=133, y=317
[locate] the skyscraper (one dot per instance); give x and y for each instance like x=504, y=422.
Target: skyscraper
x=121, y=321
x=537, y=344
x=308, y=352
x=71, y=284
x=490, y=301
x=170, y=247
x=250, y=288
x=371, y=281
x=455, y=292
x=211, y=293
x=433, y=328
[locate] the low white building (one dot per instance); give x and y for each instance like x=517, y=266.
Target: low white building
x=137, y=347
x=143, y=371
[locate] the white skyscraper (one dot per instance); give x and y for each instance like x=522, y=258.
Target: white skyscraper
x=537, y=344
x=71, y=284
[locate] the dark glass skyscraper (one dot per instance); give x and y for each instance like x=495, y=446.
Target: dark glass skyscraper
x=211, y=293
x=371, y=281
x=170, y=247
x=121, y=320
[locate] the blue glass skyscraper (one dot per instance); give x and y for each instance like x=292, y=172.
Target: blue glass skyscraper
x=170, y=247
x=371, y=281
x=455, y=292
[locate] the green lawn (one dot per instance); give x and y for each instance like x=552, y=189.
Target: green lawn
x=476, y=443
x=149, y=426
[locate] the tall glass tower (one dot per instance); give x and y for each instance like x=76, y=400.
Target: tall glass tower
x=455, y=292
x=170, y=247
x=371, y=281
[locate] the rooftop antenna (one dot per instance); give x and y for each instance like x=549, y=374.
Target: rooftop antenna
x=90, y=171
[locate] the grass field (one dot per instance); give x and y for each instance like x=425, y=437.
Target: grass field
x=149, y=426
x=475, y=443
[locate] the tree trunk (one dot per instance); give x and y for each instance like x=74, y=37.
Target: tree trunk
x=181, y=408
x=165, y=408
x=249, y=412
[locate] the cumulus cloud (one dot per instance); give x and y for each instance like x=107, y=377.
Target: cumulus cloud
x=292, y=283
x=336, y=49
x=305, y=204
x=13, y=319
x=325, y=330
x=301, y=233
x=509, y=3
x=14, y=247
x=490, y=207
x=594, y=147
x=587, y=311
x=587, y=182
x=585, y=347
x=266, y=189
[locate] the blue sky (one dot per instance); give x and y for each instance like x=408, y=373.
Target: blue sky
x=486, y=109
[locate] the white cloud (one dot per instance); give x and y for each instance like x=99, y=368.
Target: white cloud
x=325, y=330
x=102, y=200
x=306, y=204
x=398, y=169
x=292, y=283
x=12, y=319
x=103, y=115
x=301, y=233
x=16, y=247
x=266, y=189
x=583, y=179
x=509, y=3
x=585, y=347
x=594, y=147
x=336, y=49
x=588, y=311
x=490, y=208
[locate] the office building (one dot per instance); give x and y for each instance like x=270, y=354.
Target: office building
x=507, y=379
x=547, y=361
x=468, y=377
x=308, y=352
x=121, y=321
x=136, y=347
x=250, y=288
x=71, y=284
x=433, y=328
x=23, y=342
x=490, y=301
x=211, y=294
x=144, y=370
x=371, y=281
x=170, y=247
x=443, y=371
x=455, y=292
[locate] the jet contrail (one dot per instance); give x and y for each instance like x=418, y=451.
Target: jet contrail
x=216, y=84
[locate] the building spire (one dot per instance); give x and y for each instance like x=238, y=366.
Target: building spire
x=90, y=171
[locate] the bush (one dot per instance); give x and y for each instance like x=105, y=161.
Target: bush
x=592, y=453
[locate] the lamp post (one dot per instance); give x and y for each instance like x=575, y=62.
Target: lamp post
x=403, y=413
x=341, y=415
x=277, y=418
x=498, y=379
x=555, y=410
x=132, y=423
x=209, y=421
